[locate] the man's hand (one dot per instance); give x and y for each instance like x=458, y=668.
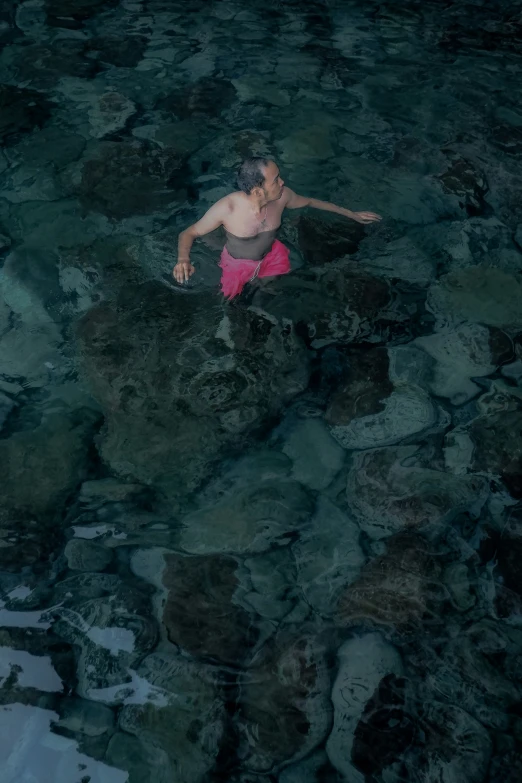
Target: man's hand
x=365, y=217
x=182, y=271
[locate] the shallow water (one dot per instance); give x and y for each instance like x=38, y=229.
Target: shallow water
x=278, y=539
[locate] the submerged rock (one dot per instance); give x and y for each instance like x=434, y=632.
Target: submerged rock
x=284, y=702
x=86, y=555
x=95, y=494
x=85, y=587
x=249, y=519
x=395, y=589
x=310, y=770
x=456, y=577
x=200, y=613
x=250, y=506
x=400, y=258
x=368, y=410
x=180, y=714
x=36, y=275
x=506, y=768
x=5, y=242
x=316, y=457
x=322, y=241
x=122, y=179
x=478, y=294
x=208, y=97
x=112, y=638
x=467, y=673
x=466, y=243
x=260, y=88
x=6, y=406
x=339, y=303
x=144, y=762
x=364, y=391
x=409, y=365
x=21, y=110
x=507, y=138
x=85, y=717
x=490, y=444
x=56, y=226
x=109, y=113
x=388, y=494
x=197, y=603
x=248, y=777
x=328, y=556
x=458, y=748
x=51, y=58
x=518, y=235
x=408, y=411
x=62, y=13
x=385, y=730
x=464, y=181
x=43, y=466
x=109, y=506
x=185, y=377
x=508, y=557
x=304, y=141
x=268, y=585
x=123, y=52
x=363, y=663
x=471, y=350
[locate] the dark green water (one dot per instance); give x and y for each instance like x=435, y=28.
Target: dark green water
x=278, y=539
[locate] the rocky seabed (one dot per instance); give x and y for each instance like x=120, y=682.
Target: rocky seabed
x=278, y=539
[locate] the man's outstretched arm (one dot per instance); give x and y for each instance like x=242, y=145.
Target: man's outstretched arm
x=293, y=201
x=211, y=220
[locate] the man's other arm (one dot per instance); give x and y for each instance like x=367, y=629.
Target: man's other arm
x=294, y=201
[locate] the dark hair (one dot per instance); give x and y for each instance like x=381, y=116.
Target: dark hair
x=251, y=175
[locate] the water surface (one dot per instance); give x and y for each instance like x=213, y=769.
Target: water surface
x=278, y=539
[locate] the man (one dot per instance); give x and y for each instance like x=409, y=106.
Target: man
x=251, y=218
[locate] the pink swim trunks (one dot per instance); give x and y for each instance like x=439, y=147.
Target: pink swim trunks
x=239, y=271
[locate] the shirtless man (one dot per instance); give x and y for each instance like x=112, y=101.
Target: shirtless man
x=251, y=218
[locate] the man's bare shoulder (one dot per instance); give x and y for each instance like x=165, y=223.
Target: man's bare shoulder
x=218, y=214
x=235, y=200
x=224, y=204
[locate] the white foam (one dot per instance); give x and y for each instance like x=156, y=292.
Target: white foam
x=113, y=639
x=223, y=332
x=23, y=619
x=138, y=691
x=35, y=671
x=21, y=592
x=90, y=532
x=31, y=753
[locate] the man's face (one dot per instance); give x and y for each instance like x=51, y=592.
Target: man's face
x=273, y=184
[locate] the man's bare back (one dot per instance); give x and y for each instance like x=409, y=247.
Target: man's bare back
x=255, y=209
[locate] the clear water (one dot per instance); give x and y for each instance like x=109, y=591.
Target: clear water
x=278, y=539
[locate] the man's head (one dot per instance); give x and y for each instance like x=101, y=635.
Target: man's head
x=260, y=177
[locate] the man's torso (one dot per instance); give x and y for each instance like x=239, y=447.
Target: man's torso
x=241, y=221
x=250, y=236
